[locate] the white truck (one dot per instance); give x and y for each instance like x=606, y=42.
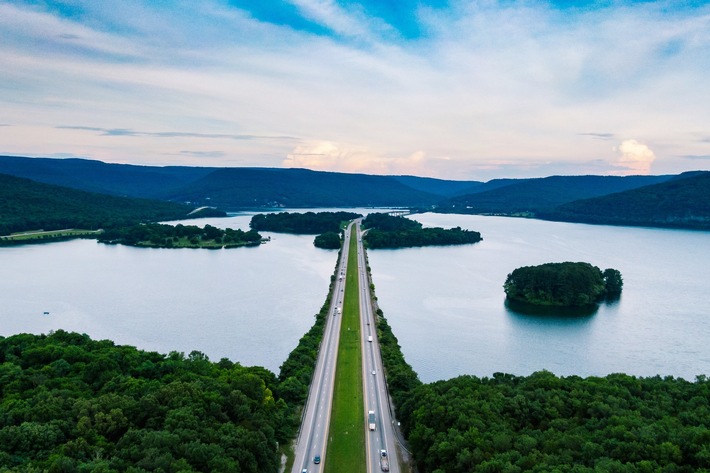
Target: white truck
x=384, y=461
x=371, y=419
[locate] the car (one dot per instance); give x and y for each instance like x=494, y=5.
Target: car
x=316, y=459
x=304, y=471
x=374, y=372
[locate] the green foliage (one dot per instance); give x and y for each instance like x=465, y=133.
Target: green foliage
x=532, y=196
x=302, y=223
x=69, y=403
x=180, y=236
x=386, y=231
x=29, y=205
x=545, y=423
x=328, y=241
x=681, y=202
x=562, y=284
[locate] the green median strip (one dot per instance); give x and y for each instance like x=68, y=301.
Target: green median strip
x=346, y=442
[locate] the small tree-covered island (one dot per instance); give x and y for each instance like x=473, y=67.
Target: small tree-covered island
x=157, y=235
x=387, y=231
x=563, y=284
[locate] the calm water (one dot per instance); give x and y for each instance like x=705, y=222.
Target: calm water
x=446, y=304
x=247, y=304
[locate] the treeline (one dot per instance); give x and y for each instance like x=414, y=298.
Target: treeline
x=386, y=231
x=72, y=404
x=296, y=372
x=328, y=241
x=180, y=236
x=681, y=202
x=542, y=423
x=563, y=284
x=28, y=205
x=302, y=223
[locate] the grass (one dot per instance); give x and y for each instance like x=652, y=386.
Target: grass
x=42, y=235
x=346, y=443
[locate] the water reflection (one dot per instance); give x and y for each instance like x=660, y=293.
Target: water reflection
x=517, y=308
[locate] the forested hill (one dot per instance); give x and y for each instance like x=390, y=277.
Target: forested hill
x=232, y=188
x=29, y=205
x=680, y=202
x=105, y=178
x=530, y=196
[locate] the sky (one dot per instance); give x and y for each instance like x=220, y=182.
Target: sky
x=452, y=89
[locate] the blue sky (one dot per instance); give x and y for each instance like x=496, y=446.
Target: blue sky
x=444, y=88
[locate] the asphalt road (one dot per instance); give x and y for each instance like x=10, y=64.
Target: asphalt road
x=374, y=385
x=313, y=436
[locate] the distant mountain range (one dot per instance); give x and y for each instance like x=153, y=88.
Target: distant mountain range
x=679, y=200
x=30, y=205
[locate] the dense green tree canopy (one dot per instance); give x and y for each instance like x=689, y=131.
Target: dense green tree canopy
x=544, y=423
x=180, y=236
x=28, y=205
x=387, y=231
x=302, y=223
x=562, y=284
x=328, y=241
x=69, y=403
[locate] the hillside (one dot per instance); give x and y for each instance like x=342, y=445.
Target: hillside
x=233, y=188
x=531, y=196
x=680, y=202
x=29, y=205
x=96, y=176
x=440, y=187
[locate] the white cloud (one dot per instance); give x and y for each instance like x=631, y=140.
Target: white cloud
x=507, y=90
x=634, y=158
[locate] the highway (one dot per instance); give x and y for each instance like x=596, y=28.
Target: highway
x=313, y=436
x=375, y=390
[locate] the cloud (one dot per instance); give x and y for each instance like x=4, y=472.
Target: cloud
x=696, y=156
x=172, y=134
x=493, y=86
x=600, y=136
x=634, y=158
x=203, y=154
x=329, y=156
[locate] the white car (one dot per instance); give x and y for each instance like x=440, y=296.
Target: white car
x=374, y=372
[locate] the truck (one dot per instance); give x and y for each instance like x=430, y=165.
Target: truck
x=384, y=461
x=371, y=419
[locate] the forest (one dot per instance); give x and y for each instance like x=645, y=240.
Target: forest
x=563, y=284
x=681, y=202
x=543, y=423
x=28, y=205
x=387, y=231
x=302, y=223
x=72, y=404
x=157, y=235
x=327, y=241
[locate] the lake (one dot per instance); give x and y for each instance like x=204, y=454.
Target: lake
x=445, y=304
x=447, y=307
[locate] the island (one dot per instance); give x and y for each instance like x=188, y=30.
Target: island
x=157, y=235
x=308, y=223
x=328, y=225
x=389, y=231
x=563, y=284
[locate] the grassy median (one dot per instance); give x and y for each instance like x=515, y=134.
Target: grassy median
x=346, y=444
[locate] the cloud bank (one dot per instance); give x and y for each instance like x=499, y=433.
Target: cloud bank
x=457, y=89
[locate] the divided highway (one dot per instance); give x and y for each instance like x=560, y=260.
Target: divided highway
x=313, y=436
x=382, y=438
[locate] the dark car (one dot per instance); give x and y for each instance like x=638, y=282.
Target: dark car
x=316, y=459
